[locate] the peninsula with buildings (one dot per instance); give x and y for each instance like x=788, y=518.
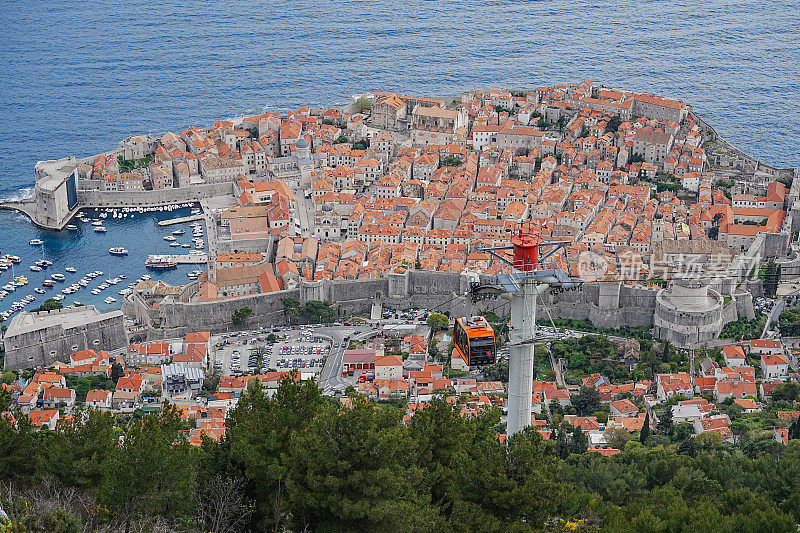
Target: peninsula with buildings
x=343, y=244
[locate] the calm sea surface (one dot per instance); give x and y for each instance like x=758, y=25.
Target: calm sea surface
x=76, y=77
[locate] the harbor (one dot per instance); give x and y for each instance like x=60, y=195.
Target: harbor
x=62, y=265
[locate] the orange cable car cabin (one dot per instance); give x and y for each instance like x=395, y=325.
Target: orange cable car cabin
x=474, y=341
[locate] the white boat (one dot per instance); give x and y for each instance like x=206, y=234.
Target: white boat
x=174, y=244
x=98, y=272
x=110, y=300
x=186, y=245
x=100, y=229
x=36, y=268
x=179, y=232
x=58, y=297
x=125, y=292
x=119, y=250
x=58, y=277
x=95, y=291
x=169, y=238
x=83, y=282
x=71, y=270
x=37, y=290
x=97, y=223
x=71, y=227
x=36, y=242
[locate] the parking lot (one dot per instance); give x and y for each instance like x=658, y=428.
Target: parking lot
x=266, y=349
x=763, y=305
x=302, y=350
x=406, y=315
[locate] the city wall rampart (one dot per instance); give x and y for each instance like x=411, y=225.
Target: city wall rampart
x=749, y=162
x=606, y=305
x=193, y=193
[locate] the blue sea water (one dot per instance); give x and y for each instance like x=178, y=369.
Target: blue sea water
x=75, y=77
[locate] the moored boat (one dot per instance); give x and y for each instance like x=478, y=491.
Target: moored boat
x=160, y=264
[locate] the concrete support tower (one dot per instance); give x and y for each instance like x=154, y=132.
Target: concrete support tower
x=520, y=364
x=524, y=285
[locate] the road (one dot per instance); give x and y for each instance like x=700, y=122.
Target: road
x=777, y=309
x=304, y=211
x=330, y=378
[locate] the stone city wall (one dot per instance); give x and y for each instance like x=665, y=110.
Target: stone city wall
x=606, y=305
x=750, y=163
x=258, y=246
x=44, y=346
x=197, y=316
x=193, y=193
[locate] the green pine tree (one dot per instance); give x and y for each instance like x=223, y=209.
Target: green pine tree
x=645, y=432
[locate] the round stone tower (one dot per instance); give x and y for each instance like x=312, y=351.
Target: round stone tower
x=688, y=313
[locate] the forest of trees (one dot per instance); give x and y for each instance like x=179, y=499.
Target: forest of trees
x=302, y=462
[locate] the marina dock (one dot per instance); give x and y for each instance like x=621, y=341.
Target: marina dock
x=188, y=259
x=181, y=220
